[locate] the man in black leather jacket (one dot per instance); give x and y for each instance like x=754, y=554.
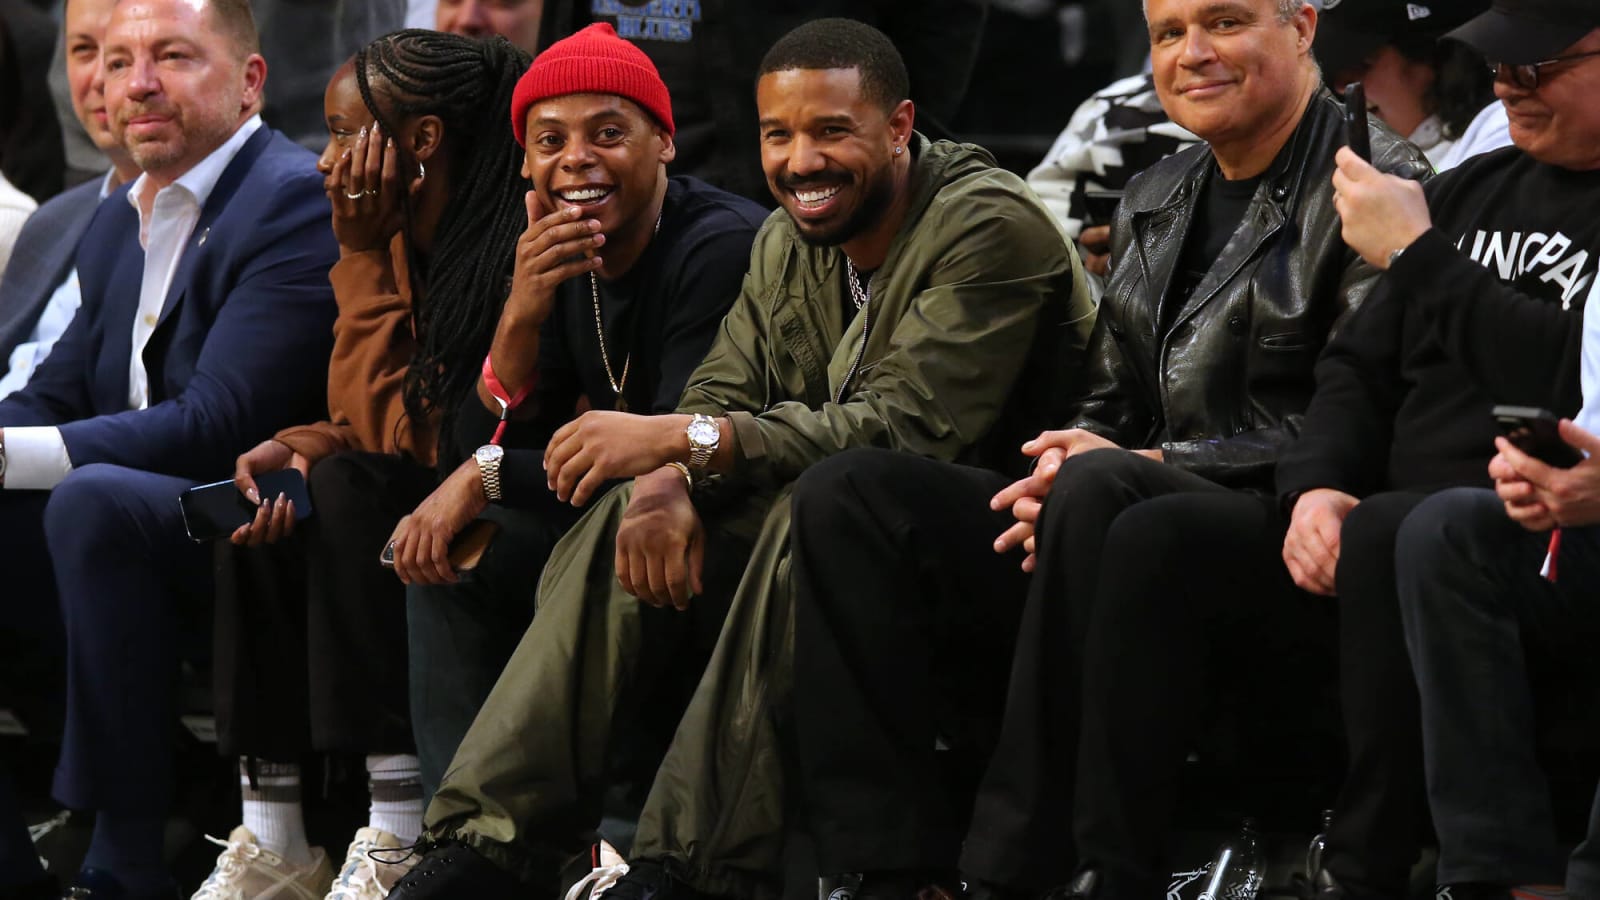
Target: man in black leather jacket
x=1228, y=277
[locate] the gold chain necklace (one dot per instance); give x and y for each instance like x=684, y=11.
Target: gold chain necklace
x=617, y=384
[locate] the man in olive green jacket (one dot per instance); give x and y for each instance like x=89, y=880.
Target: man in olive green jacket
x=909, y=295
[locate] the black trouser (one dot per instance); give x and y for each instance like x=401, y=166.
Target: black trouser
x=462, y=634
x=1147, y=574
x=311, y=631
x=1381, y=812
x=905, y=619
x=1476, y=611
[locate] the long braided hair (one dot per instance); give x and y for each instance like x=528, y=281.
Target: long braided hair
x=457, y=293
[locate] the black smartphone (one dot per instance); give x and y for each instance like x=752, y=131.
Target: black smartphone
x=213, y=511
x=1356, y=133
x=1099, y=207
x=1537, y=433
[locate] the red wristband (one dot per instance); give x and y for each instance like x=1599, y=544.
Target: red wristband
x=498, y=391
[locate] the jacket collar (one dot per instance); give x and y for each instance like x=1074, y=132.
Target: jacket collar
x=1161, y=229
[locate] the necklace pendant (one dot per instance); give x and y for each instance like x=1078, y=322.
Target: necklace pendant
x=622, y=404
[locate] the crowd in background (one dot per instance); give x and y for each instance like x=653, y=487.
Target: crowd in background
x=621, y=402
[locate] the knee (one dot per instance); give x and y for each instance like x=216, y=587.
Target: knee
x=1445, y=529
x=832, y=486
x=85, y=512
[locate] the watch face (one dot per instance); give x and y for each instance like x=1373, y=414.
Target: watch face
x=704, y=433
x=489, y=452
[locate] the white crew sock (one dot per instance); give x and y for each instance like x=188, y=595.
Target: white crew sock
x=396, y=783
x=272, y=809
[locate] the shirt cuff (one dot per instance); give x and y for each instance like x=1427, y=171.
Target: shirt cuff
x=36, y=459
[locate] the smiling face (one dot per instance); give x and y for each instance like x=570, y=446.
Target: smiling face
x=1558, y=122
x=599, y=152
x=828, y=152
x=85, y=30
x=345, y=113
x=177, y=86
x=1230, y=70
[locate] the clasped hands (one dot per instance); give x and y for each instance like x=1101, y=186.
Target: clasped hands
x=1025, y=497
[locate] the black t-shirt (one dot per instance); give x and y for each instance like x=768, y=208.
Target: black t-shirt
x=1217, y=215
x=659, y=321
x=1485, y=308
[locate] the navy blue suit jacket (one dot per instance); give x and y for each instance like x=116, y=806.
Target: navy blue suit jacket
x=242, y=343
x=41, y=260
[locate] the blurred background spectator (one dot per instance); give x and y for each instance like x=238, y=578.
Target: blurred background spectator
x=30, y=145
x=1438, y=94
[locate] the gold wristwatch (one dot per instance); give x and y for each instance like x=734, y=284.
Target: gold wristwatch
x=704, y=437
x=488, y=457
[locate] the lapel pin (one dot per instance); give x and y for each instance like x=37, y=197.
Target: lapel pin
x=203, y=235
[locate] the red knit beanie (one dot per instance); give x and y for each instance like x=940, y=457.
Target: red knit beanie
x=593, y=61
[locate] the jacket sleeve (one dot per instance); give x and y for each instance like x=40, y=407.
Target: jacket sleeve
x=953, y=356
x=58, y=390
x=1115, y=402
x=262, y=359
x=1476, y=317
x=1346, y=432
x=373, y=346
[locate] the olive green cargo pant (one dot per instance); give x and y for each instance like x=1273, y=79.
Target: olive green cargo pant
x=525, y=787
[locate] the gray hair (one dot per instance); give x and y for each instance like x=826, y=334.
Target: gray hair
x=1287, y=9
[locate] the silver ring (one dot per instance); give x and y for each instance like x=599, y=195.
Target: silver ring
x=356, y=196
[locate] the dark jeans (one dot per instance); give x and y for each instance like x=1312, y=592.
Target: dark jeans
x=311, y=631
x=1153, y=586
x=461, y=634
x=1474, y=603
x=905, y=620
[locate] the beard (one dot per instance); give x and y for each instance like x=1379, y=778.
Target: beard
x=875, y=198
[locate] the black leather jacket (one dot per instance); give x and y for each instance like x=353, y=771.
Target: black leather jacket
x=1222, y=388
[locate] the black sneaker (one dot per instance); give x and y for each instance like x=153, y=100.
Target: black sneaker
x=454, y=871
x=892, y=885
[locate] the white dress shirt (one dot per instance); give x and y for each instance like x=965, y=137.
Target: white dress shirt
x=36, y=458
x=15, y=208
x=58, y=313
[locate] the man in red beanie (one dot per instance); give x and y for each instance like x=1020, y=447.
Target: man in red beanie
x=909, y=294
x=620, y=282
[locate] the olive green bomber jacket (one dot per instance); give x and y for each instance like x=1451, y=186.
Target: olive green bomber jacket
x=974, y=334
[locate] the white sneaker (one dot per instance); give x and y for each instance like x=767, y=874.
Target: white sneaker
x=609, y=869
x=363, y=877
x=247, y=871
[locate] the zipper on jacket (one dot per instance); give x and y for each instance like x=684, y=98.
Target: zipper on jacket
x=866, y=329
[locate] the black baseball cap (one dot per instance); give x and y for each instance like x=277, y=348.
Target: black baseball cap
x=1529, y=31
x=1350, y=31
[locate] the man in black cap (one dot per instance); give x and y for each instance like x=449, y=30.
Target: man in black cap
x=1487, y=270
x=1437, y=93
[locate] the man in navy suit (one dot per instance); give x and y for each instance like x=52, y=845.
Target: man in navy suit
x=206, y=326
x=40, y=294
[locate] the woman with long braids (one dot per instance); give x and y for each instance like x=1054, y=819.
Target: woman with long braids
x=310, y=629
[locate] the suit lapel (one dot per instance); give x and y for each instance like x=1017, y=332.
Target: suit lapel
x=224, y=190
